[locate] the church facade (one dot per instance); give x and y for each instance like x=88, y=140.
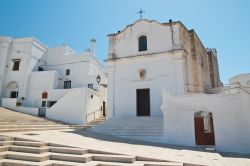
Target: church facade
x=148, y=57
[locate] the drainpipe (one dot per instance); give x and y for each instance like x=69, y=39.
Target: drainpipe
x=172, y=32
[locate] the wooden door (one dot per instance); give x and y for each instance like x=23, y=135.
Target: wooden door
x=203, y=137
x=199, y=130
x=143, y=102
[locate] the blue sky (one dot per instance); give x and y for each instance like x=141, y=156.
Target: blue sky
x=220, y=24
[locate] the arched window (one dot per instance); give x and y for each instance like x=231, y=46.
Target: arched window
x=142, y=41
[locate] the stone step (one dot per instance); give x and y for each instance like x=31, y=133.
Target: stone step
x=133, y=132
x=30, y=126
x=38, y=129
x=23, y=139
x=67, y=157
x=3, y=138
x=114, y=158
x=129, y=129
x=7, y=162
x=128, y=126
x=150, y=138
x=29, y=143
x=6, y=143
x=26, y=156
x=28, y=149
x=76, y=151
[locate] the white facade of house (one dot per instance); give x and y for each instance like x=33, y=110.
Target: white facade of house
x=230, y=111
x=43, y=69
x=174, y=59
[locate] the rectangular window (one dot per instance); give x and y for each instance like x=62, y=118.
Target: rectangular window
x=14, y=94
x=40, y=68
x=43, y=103
x=16, y=64
x=67, y=84
x=67, y=72
x=90, y=86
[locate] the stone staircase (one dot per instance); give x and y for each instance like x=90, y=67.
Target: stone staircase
x=97, y=121
x=23, y=152
x=40, y=127
x=141, y=128
x=11, y=121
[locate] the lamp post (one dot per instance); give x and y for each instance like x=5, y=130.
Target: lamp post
x=98, y=79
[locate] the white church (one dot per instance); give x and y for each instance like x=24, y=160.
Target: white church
x=164, y=86
x=147, y=57
x=160, y=84
x=56, y=83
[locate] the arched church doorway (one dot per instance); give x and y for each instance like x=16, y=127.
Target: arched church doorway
x=204, y=128
x=12, y=90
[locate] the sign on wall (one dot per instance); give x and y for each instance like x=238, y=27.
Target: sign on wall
x=142, y=74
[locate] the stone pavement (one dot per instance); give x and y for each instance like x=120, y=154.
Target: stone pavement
x=84, y=139
x=89, y=140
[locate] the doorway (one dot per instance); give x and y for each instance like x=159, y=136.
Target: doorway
x=204, y=128
x=104, y=108
x=143, y=102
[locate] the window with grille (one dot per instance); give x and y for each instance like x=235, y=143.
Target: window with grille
x=67, y=84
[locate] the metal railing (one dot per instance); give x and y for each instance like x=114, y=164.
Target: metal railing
x=95, y=115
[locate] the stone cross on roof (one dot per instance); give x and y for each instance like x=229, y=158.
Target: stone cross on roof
x=140, y=12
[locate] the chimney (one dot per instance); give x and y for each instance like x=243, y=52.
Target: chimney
x=92, y=46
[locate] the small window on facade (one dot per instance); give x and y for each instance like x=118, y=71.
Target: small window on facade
x=142, y=41
x=91, y=96
x=68, y=72
x=43, y=103
x=16, y=64
x=90, y=86
x=67, y=84
x=40, y=68
x=14, y=94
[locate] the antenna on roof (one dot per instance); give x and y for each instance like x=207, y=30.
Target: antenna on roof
x=92, y=46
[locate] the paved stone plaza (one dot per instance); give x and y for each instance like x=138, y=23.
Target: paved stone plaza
x=83, y=139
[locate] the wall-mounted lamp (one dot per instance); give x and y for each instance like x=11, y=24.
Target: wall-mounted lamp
x=98, y=79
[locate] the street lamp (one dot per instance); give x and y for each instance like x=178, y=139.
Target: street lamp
x=98, y=79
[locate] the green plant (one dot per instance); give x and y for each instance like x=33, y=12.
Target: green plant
x=18, y=103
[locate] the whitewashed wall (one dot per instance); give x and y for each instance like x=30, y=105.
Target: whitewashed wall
x=4, y=50
x=73, y=107
x=29, y=50
x=162, y=71
x=34, y=97
x=230, y=118
x=11, y=104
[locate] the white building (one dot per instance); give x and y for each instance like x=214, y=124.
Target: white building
x=220, y=120
x=55, y=82
x=147, y=57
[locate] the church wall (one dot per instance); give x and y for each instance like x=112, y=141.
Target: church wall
x=163, y=71
x=159, y=39
x=202, y=64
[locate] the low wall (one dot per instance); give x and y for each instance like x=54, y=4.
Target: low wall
x=231, y=114
x=11, y=104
